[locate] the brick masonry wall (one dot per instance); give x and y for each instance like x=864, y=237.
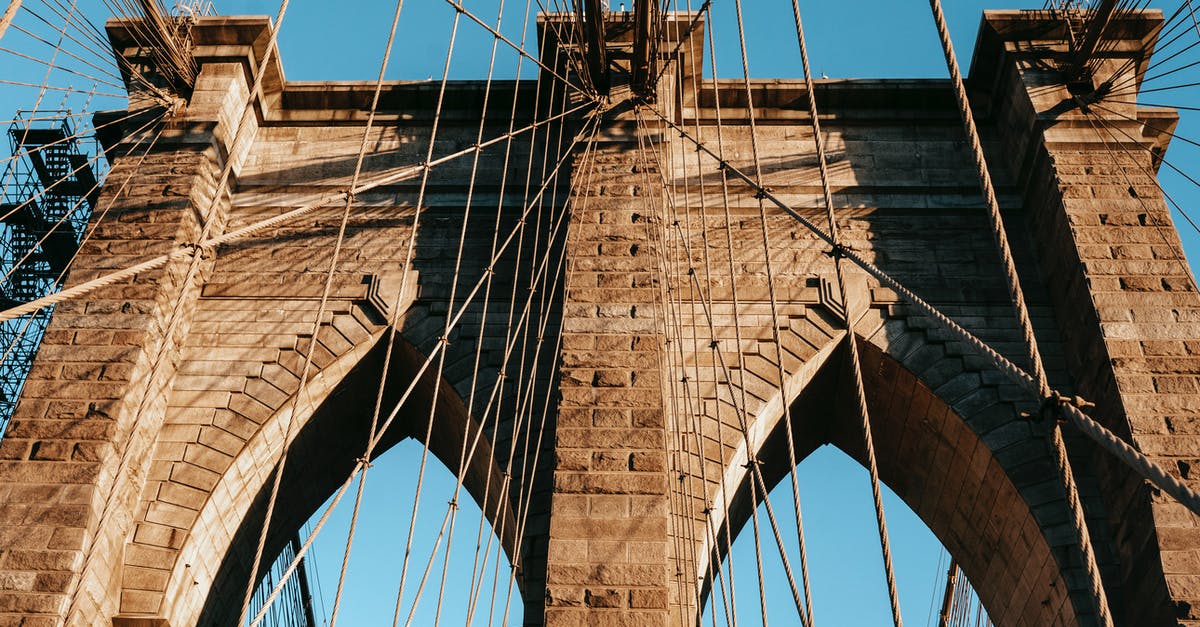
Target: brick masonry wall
x=135, y=472
x=76, y=452
x=1126, y=303
x=607, y=562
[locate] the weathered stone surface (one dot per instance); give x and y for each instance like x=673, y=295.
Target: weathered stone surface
x=660, y=359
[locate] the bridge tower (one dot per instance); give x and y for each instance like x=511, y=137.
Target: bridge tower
x=671, y=369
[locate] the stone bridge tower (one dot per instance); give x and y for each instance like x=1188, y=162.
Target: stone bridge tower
x=136, y=471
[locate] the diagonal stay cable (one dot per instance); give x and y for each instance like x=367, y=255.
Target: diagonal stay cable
x=860, y=395
x=521, y=51
x=1057, y=445
x=362, y=152
x=428, y=361
x=398, y=175
x=1140, y=463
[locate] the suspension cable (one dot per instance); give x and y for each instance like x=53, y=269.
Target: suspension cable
x=848, y=319
x=1017, y=296
x=1144, y=466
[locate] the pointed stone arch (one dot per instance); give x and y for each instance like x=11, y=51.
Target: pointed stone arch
x=934, y=459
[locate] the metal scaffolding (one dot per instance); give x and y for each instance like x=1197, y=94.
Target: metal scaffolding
x=50, y=185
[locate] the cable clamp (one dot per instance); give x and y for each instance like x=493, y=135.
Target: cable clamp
x=453, y=503
x=444, y=340
x=714, y=345
x=838, y=251
x=1052, y=407
x=364, y=462
x=762, y=193
x=203, y=251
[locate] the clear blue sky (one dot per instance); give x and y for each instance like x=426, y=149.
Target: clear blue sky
x=871, y=38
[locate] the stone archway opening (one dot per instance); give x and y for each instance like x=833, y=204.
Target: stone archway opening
x=946, y=487
x=479, y=586
x=329, y=443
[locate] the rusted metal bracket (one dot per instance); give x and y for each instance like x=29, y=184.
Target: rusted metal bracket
x=645, y=23
x=597, y=45
x=1089, y=42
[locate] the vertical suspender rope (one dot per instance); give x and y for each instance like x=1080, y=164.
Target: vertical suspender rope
x=679, y=492
x=362, y=151
x=754, y=471
x=851, y=343
x=716, y=346
x=1057, y=445
x=699, y=435
x=715, y=570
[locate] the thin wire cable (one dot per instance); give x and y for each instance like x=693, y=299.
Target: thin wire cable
x=395, y=176
x=1017, y=296
x=1144, y=466
x=403, y=398
x=362, y=152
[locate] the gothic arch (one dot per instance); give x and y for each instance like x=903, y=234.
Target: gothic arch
x=930, y=454
x=330, y=436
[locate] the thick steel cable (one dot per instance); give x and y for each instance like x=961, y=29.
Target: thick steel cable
x=362, y=151
x=1016, y=294
x=743, y=426
x=860, y=394
x=416, y=378
x=1155, y=474
x=243, y=232
x=667, y=314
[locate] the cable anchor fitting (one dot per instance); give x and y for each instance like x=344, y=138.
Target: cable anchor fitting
x=838, y=251
x=1052, y=407
x=204, y=251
